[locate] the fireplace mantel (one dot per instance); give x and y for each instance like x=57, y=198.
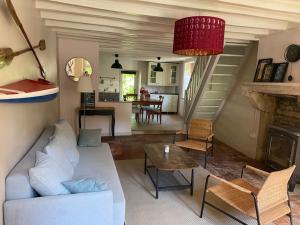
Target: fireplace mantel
x=263, y=95
x=287, y=89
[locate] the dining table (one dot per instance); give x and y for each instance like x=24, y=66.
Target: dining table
x=146, y=102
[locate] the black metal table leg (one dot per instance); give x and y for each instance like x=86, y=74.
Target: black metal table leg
x=156, y=185
x=145, y=164
x=192, y=182
x=113, y=121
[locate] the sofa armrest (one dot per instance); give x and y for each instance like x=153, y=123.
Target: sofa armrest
x=94, y=208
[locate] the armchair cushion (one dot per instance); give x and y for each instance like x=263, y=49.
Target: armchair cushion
x=194, y=144
x=234, y=197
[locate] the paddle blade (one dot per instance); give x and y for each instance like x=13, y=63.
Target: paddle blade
x=5, y=57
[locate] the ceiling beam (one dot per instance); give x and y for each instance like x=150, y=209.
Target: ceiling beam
x=106, y=29
x=224, y=7
x=176, y=13
x=106, y=22
x=92, y=27
x=289, y=6
x=109, y=36
x=132, y=25
x=64, y=8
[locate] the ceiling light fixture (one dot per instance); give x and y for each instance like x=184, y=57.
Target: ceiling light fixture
x=158, y=67
x=199, y=36
x=116, y=64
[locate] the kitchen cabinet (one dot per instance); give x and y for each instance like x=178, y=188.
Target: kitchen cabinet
x=169, y=77
x=155, y=78
x=170, y=103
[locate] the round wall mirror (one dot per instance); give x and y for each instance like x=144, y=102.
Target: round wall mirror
x=78, y=67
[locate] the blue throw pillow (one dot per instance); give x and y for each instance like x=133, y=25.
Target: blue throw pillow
x=89, y=138
x=85, y=185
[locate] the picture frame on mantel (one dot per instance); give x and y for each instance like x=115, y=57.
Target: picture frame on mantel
x=260, y=69
x=268, y=72
x=280, y=72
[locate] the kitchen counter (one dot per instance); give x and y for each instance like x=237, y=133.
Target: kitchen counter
x=164, y=93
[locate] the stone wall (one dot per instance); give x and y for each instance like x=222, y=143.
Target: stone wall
x=287, y=112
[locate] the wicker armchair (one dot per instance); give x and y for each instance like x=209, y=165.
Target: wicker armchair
x=199, y=137
x=265, y=204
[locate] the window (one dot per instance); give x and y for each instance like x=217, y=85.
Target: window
x=128, y=82
x=188, y=70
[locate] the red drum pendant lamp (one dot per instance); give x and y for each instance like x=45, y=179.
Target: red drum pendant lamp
x=199, y=36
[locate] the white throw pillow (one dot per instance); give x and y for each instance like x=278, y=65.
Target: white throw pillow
x=47, y=176
x=67, y=138
x=66, y=128
x=56, y=150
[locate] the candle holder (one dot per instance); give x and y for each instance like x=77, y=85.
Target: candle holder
x=167, y=149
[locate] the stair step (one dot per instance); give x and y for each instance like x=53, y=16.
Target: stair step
x=208, y=113
x=232, y=55
x=212, y=99
x=210, y=91
x=228, y=65
x=236, y=44
x=208, y=106
x=222, y=74
x=214, y=83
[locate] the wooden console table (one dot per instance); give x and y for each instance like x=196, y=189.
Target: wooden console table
x=99, y=111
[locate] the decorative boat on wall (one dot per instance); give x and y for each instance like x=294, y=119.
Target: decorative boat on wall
x=28, y=91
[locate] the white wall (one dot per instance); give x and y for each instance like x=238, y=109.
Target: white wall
x=21, y=124
x=70, y=98
x=128, y=63
x=237, y=125
x=274, y=45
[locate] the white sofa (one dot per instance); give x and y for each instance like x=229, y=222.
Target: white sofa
x=23, y=206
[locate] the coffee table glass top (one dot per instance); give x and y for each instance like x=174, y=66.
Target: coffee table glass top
x=176, y=159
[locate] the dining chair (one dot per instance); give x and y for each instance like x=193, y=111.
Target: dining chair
x=265, y=204
x=199, y=137
x=155, y=109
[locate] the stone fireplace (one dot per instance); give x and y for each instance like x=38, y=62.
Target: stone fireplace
x=279, y=125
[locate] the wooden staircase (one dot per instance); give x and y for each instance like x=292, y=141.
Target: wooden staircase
x=212, y=80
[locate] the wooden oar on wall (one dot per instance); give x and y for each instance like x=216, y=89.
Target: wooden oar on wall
x=7, y=54
x=18, y=22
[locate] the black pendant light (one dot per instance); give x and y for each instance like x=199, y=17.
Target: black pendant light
x=116, y=64
x=158, y=67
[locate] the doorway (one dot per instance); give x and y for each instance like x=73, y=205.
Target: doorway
x=129, y=82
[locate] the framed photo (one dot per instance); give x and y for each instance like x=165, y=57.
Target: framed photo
x=88, y=99
x=280, y=72
x=268, y=72
x=260, y=68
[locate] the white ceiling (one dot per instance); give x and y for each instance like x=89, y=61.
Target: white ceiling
x=145, y=27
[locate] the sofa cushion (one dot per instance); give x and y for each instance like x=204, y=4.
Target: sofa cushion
x=17, y=185
x=85, y=185
x=56, y=150
x=47, y=175
x=68, y=139
x=89, y=138
x=97, y=162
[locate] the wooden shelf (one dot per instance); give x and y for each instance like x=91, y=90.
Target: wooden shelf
x=287, y=89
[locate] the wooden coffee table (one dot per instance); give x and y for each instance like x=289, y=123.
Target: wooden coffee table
x=164, y=170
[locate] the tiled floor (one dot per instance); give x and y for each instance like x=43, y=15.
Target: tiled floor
x=170, y=123
x=226, y=162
